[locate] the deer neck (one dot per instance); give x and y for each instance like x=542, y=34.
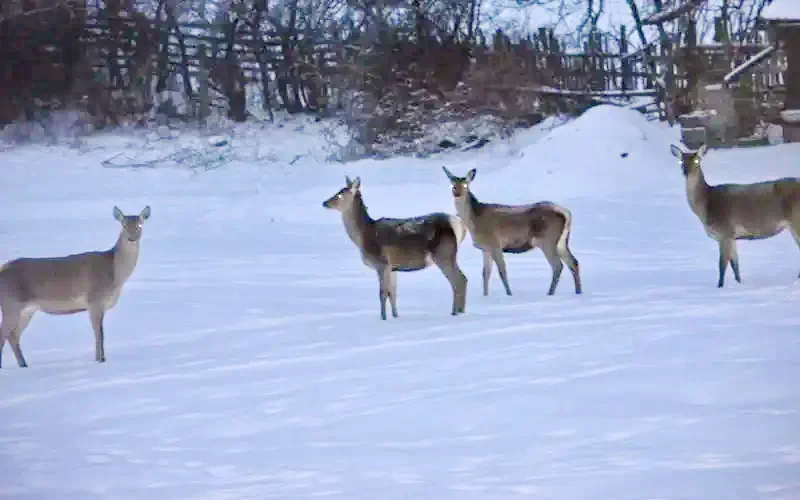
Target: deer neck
x=125, y=254
x=357, y=221
x=465, y=207
x=697, y=190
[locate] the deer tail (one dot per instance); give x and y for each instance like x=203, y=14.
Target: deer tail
x=563, y=240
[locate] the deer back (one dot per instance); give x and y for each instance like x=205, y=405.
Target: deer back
x=60, y=284
x=513, y=226
x=755, y=210
x=407, y=244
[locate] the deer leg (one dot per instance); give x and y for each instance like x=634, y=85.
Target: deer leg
x=13, y=341
x=497, y=256
x=734, y=258
x=724, y=258
x=14, y=333
x=463, y=279
x=796, y=234
x=6, y=329
x=393, y=292
x=572, y=264
x=4, y=325
x=384, y=277
x=445, y=260
x=487, y=271
x=96, y=315
x=551, y=254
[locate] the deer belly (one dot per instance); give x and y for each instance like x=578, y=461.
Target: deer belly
x=408, y=259
x=517, y=245
x=63, y=306
x=518, y=249
x=757, y=232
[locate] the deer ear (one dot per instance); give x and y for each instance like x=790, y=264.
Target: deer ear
x=145, y=213
x=356, y=183
x=676, y=151
x=701, y=151
x=471, y=175
x=448, y=173
x=118, y=214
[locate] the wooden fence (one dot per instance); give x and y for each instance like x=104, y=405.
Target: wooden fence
x=120, y=49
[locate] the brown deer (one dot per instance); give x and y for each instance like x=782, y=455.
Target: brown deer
x=90, y=281
x=498, y=229
x=731, y=212
x=409, y=244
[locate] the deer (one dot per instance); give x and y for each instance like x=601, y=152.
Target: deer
x=392, y=245
x=731, y=212
x=84, y=282
x=497, y=229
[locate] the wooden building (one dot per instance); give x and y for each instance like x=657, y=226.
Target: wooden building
x=781, y=18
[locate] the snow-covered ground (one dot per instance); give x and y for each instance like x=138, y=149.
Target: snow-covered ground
x=247, y=359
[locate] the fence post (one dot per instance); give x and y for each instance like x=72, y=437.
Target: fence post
x=668, y=55
x=202, y=79
x=691, y=62
x=556, y=62
x=625, y=62
x=597, y=81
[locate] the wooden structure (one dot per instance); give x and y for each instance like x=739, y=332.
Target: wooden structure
x=136, y=56
x=782, y=21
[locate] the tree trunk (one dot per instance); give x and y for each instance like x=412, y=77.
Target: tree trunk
x=175, y=27
x=234, y=79
x=261, y=55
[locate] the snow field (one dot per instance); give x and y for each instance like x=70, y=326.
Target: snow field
x=247, y=358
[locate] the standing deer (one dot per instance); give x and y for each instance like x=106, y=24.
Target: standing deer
x=411, y=244
x=498, y=229
x=731, y=212
x=90, y=281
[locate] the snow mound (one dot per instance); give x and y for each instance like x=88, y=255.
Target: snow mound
x=599, y=152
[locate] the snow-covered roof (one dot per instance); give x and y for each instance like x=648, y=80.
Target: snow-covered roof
x=782, y=10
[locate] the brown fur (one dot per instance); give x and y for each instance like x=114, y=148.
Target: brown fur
x=90, y=281
x=731, y=212
x=392, y=245
x=497, y=229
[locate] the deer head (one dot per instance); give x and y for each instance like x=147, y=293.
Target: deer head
x=132, y=224
x=689, y=160
x=343, y=198
x=460, y=185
